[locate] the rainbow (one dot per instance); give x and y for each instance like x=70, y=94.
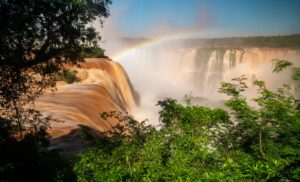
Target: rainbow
x=157, y=41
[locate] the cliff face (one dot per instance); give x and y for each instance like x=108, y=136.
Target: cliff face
x=157, y=73
x=172, y=71
x=201, y=70
x=212, y=66
x=104, y=86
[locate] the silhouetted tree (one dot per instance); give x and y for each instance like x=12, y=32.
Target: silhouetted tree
x=37, y=38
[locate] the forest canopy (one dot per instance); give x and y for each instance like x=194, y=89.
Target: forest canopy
x=197, y=143
x=238, y=142
x=37, y=38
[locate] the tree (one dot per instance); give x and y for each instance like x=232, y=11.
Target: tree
x=179, y=151
x=267, y=135
x=196, y=143
x=91, y=34
x=37, y=38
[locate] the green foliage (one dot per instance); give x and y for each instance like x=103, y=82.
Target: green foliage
x=196, y=143
x=69, y=76
x=181, y=150
x=284, y=64
x=92, y=52
x=268, y=134
x=281, y=65
x=37, y=38
x=296, y=73
x=234, y=90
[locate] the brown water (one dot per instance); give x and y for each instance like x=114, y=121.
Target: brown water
x=104, y=86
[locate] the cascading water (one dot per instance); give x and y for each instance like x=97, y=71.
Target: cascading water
x=158, y=72
x=103, y=87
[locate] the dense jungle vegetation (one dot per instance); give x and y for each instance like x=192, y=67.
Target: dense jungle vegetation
x=37, y=38
x=193, y=143
x=197, y=143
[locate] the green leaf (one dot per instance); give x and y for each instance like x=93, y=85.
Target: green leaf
x=280, y=65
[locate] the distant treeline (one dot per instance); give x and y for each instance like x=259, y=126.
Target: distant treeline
x=134, y=40
x=286, y=41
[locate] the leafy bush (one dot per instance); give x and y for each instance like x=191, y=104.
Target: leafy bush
x=69, y=76
x=93, y=52
x=197, y=143
x=46, y=35
x=136, y=152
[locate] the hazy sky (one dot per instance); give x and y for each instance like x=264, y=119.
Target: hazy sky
x=150, y=18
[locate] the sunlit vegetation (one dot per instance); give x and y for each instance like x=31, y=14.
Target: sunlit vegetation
x=198, y=143
x=69, y=76
x=93, y=52
x=193, y=143
x=287, y=41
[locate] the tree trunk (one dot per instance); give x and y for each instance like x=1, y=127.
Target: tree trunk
x=260, y=146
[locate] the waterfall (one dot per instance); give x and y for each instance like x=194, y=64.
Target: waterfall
x=104, y=86
x=214, y=66
x=159, y=72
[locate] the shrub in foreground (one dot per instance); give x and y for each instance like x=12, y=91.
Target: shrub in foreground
x=196, y=143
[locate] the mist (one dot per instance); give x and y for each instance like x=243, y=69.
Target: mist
x=160, y=64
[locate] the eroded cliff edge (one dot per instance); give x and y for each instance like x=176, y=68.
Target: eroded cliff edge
x=102, y=86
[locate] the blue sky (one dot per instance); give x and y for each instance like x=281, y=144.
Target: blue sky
x=143, y=18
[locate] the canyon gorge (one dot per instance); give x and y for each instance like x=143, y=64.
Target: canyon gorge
x=133, y=82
